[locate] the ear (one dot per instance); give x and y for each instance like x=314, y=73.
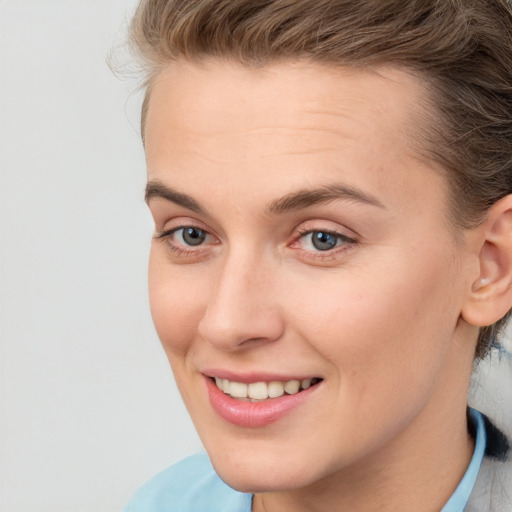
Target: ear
x=490, y=297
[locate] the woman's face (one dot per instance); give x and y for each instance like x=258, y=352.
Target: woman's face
x=297, y=238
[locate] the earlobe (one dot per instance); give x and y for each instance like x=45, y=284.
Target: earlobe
x=490, y=297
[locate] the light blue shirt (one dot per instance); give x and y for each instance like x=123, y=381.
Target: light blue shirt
x=193, y=486
x=460, y=497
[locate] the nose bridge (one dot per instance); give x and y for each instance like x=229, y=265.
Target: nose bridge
x=242, y=304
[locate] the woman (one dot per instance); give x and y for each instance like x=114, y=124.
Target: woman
x=331, y=184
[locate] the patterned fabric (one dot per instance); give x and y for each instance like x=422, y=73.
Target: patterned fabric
x=491, y=393
x=493, y=488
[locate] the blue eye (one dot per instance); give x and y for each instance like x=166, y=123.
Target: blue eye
x=190, y=236
x=188, y=243
x=323, y=241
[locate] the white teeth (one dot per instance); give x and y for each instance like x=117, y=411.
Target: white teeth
x=238, y=390
x=292, y=387
x=258, y=390
x=275, y=389
x=263, y=390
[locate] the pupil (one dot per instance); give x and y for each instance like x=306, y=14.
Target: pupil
x=323, y=241
x=193, y=236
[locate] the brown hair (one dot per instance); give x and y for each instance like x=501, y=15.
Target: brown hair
x=461, y=49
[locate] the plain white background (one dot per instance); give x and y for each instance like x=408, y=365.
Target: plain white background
x=88, y=406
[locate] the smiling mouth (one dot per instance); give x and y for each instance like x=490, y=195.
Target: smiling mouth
x=259, y=391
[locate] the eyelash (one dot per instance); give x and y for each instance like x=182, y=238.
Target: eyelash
x=346, y=242
x=166, y=236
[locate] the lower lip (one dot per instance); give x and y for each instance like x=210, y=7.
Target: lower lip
x=254, y=414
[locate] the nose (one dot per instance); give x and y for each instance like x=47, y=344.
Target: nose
x=243, y=308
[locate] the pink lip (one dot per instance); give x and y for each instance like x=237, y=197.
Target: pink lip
x=254, y=414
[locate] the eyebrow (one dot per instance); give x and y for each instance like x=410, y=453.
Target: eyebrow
x=156, y=189
x=311, y=197
x=290, y=202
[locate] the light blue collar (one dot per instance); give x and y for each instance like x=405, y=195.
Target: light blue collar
x=461, y=495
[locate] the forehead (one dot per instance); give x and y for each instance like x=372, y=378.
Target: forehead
x=217, y=97
x=290, y=125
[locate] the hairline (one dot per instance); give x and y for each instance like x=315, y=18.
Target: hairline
x=419, y=135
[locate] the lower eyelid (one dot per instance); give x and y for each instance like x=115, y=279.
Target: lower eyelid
x=333, y=254
x=183, y=249
x=344, y=246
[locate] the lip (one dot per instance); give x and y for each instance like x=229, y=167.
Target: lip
x=254, y=414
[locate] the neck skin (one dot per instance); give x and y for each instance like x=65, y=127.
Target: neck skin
x=418, y=470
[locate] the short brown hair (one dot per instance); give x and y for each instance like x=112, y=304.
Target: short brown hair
x=461, y=49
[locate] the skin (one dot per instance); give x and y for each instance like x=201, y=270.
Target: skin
x=378, y=318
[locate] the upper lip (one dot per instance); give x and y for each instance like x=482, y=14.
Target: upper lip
x=254, y=376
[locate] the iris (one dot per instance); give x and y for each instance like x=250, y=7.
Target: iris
x=323, y=241
x=193, y=236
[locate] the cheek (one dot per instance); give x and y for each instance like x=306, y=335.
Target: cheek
x=399, y=317
x=176, y=303
x=386, y=338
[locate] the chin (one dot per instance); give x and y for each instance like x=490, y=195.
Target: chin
x=262, y=472
x=262, y=480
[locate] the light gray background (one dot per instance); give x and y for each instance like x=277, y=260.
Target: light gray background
x=88, y=406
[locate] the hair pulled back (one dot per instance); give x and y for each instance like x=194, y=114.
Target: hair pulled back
x=460, y=49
